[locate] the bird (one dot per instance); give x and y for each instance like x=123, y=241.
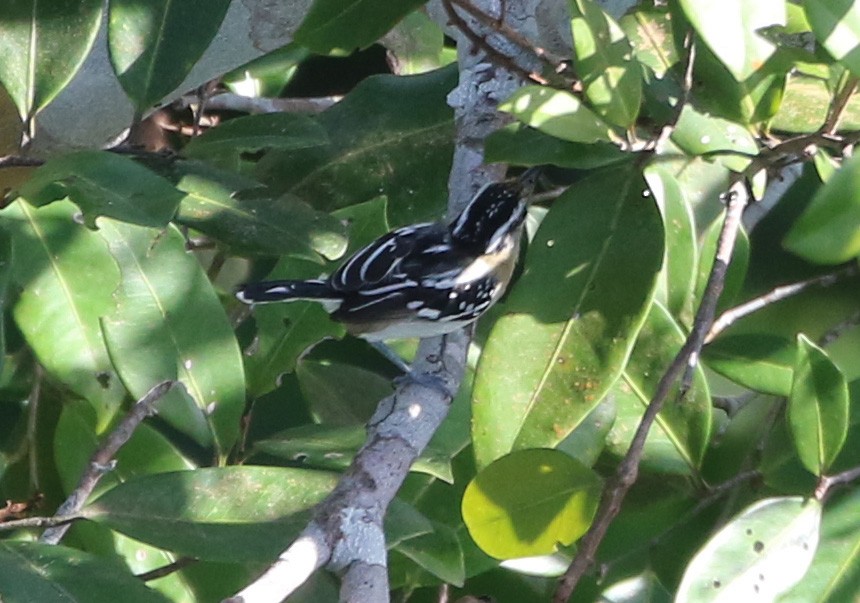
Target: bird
x=424, y=279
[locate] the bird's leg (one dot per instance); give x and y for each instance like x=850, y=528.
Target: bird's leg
x=409, y=374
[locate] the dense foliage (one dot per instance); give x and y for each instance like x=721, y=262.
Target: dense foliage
x=118, y=267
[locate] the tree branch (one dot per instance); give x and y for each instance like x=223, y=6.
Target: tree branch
x=729, y=317
x=102, y=459
x=628, y=470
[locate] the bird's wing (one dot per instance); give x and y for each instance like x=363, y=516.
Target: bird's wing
x=380, y=262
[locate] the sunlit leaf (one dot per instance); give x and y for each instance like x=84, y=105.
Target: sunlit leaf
x=43, y=44
x=650, y=33
x=701, y=134
x=557, y=113
x=836, y=25
x=528, y=502
x=759, y=361
x=817, y=407
x=228, y=513
x=169, y=324
x=757, y=556
x=572, y=317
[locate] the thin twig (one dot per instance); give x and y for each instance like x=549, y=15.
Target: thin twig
x=166, y=570
x=838, y=106
x=628, y=470
x=102, y=459
x=729, y=317
x=837, y=330
x=686, y=88
x=828, y=482
x=228, y=101
x=37, y=522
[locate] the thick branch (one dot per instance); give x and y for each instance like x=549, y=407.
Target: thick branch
x=627, y=472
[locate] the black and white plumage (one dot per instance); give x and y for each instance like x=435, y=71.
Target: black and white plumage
x=420, y=280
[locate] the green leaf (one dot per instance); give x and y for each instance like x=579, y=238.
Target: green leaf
x=834, y=574
x=341, y=26
x=521, y=145
x=765, y=550
x=650, y=33
x=804, y=107
x=836, y=25
x=417, y=45
x=678, y=276
x=603, y=59
x=438, y=552
x=828, y=232
x=169, y=324
x=152, y=47
x=226, y=144
x=744, y=52
x=572, y=317
x=104, y=184
x=390, y=136
x=557, y=113
x=30, y=571
x=67, y=277
x=228, y=513
x=681, y=436
x=43, y=44
x=700, y=134
x=252, y=222
x=340, y=393
x=759, y=361
x=526, y=503
x=817, y=407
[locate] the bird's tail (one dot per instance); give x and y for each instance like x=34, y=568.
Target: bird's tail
x=281, y=291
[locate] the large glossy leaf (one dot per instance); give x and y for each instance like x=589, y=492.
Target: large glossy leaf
x=67, y=277
x=341, y=26
x=154, y=44
x=744, y=52
x=701, y=134
x=835, y=573
x=390, y=136
x=650, y=33
x=678, y=276
x=246, y=219
x=229, y=513
x=521, y=145
x=828, y=232
x=603, y=60
x=765, y=550
x=572, y=317
x=56, y=574
x=169, y=324
x=817, y=407
x=679, y=440
x=229, y=142
x=43, y=44
x=104, y=184
x=557, y=113
x=836, y=25
x=529, y=502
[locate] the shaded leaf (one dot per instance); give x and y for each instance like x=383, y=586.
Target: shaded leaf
x=817, y=407
x=603, y=59
x=417, y=45
x=680, y=438
x=828, y=231
x=438, y=552
x=390, y=136
x=153, y=47
x=836, y=25
x=572, y=317
x=104, y=184
x=226, y=144
x=227, y=513
x=43, y=44
x=557, y=113
x=66, y=284
x=30, y=571
x=340, y=393
x=759, y=361
x=169, y=324
x=341, y=26
x=519, y=144
x=744, y=52
x=528, y=502
x=764, y=550
x=221, y=205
